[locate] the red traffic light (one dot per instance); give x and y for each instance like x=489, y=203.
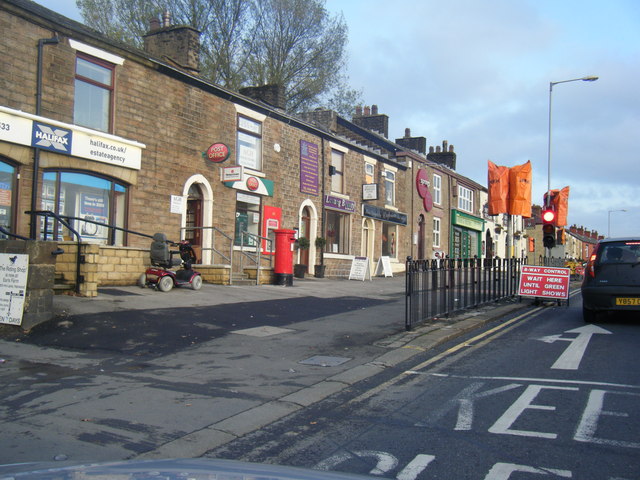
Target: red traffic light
x=548, y=216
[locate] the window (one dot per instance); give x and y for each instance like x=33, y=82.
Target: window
x=389, y=188
x=81, y=195
x=465, y=199
x=368, y=173
x=93, y=93
x=436, y=232
x=337, y=233
x=249, y=143
x=337, y=179
x=7, y=191
x=437, y=189
x=389, y=239
x=247, y=220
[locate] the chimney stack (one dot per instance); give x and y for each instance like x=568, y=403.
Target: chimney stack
x=444, y=156
x=178, y=45
x=372, y=120
x=273, y=95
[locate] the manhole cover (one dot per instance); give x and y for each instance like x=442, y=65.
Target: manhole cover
x=324, y=361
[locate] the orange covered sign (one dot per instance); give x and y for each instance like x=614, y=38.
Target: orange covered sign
x=498, y=189
x=560, y=202
x=520, y=190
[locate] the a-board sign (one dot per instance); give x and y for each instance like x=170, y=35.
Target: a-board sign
x=544, y=282
x=360, y=269
x=384, y=267
x=13, y=287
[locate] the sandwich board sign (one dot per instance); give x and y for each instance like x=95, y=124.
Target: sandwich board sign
x=384, y=267
x=360, y=269
x=13, y=287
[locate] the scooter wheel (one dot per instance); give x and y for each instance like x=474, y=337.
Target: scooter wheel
x=196, y=283
x=142, y=280
x=165, y=284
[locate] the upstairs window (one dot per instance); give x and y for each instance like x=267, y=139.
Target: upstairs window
x=389, y=188
x=249, y=143
x=465, y=199
x=93, y=93
x=369, y=169
x=337, y=179
x=437, y=189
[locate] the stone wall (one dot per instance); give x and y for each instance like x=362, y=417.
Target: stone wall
x=38, y=305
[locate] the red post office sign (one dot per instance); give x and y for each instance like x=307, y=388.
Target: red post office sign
x=218, y=152
x=544, y=282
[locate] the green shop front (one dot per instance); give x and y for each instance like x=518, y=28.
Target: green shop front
x=466, y=235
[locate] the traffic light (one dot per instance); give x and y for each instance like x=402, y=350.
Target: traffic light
x=548, y=228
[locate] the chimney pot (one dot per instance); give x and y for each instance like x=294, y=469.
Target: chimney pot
x=359, y=111
x=407, y=133
x=367, y=110
x=166, y=19
x=374, y=109
x=154, y=24
x=445, y=145
x=438, y=149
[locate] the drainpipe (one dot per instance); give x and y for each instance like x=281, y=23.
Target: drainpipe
x=323, y=212
x=36, y=154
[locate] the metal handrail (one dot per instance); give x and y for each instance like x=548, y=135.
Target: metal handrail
x=257, y=258
x=228, y=258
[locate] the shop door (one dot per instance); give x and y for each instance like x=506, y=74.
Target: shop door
x=305, y=231
x=194, y=217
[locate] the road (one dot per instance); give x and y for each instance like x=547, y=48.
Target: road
x=538, y=394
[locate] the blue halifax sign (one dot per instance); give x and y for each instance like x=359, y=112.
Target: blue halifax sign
x=51, y=138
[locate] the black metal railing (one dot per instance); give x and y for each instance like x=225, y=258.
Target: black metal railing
x=439, y=287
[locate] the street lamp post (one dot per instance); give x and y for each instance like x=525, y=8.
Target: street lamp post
x=609, y=220
x=551, y=84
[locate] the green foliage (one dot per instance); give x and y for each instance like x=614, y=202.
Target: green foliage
x=321, y=242
x=303, y=243
x=294, y=43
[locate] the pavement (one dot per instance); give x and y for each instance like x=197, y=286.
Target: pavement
x=137, y=373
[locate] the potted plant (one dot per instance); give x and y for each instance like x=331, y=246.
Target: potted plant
x=300, y=269
x=319, y=269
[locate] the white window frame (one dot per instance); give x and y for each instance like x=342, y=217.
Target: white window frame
x=465, y=199
x=436, y=231
x=437, y=189
x=338, y=176
x=249, y=129
x=389, y=182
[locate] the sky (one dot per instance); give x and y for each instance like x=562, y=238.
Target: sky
x=477, y=74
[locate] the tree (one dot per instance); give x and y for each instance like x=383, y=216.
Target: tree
x=293, y=43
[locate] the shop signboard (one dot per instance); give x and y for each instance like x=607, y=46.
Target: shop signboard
x=339, y=203
x=360, y=269
x=384, y=214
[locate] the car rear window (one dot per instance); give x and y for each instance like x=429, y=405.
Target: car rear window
x=619, y=252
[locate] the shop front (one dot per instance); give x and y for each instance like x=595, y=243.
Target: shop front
x=466, y=235
x=390, y=220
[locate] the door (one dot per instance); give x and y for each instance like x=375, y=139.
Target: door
x=305, y=231
x=421, y=252
x=194, y=216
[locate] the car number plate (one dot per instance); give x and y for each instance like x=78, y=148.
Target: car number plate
x=627, y=301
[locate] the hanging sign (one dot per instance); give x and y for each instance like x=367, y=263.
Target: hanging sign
x=218, y=152
x=422, y=185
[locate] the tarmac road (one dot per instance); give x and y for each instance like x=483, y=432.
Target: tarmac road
x=137, y=373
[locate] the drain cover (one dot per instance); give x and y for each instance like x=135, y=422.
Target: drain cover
x=324, y=361
x=264, y=331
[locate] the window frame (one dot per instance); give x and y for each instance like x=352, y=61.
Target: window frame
x=109, y=88
x=344, y=243
x=339, y=172
x=13, y=195
x=465, y=199
x=257, y=135
x=369, y=177
x=437, y=189
x=390, y=182
x=112, y=235
x=437, y=231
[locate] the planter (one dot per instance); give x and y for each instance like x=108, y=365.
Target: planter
x=299, y=270
x=319, y=271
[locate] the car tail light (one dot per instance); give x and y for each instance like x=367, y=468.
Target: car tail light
x=590, y=266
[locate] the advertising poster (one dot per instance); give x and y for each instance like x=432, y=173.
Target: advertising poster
x=93, y=207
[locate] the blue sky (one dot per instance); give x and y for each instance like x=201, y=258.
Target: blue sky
x=476, y=73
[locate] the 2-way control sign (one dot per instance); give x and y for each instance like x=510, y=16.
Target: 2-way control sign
x=544, y=282
x=13, y=285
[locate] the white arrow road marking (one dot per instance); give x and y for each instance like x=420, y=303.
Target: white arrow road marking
x=572, y=356
x=503, y=471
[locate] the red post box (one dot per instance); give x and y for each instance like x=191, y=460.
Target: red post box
x=283, y=265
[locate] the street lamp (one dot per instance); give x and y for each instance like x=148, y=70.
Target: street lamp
x=551, y=84
x=609, y=220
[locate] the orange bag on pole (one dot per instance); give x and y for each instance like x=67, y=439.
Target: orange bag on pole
x=498, y=189
x=560, y=203
x=520, y=190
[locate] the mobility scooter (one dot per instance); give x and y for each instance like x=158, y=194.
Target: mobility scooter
x=161, y=274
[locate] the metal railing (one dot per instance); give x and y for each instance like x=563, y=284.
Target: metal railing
x=254, y=253
x=435, y=288
x=215, y=250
